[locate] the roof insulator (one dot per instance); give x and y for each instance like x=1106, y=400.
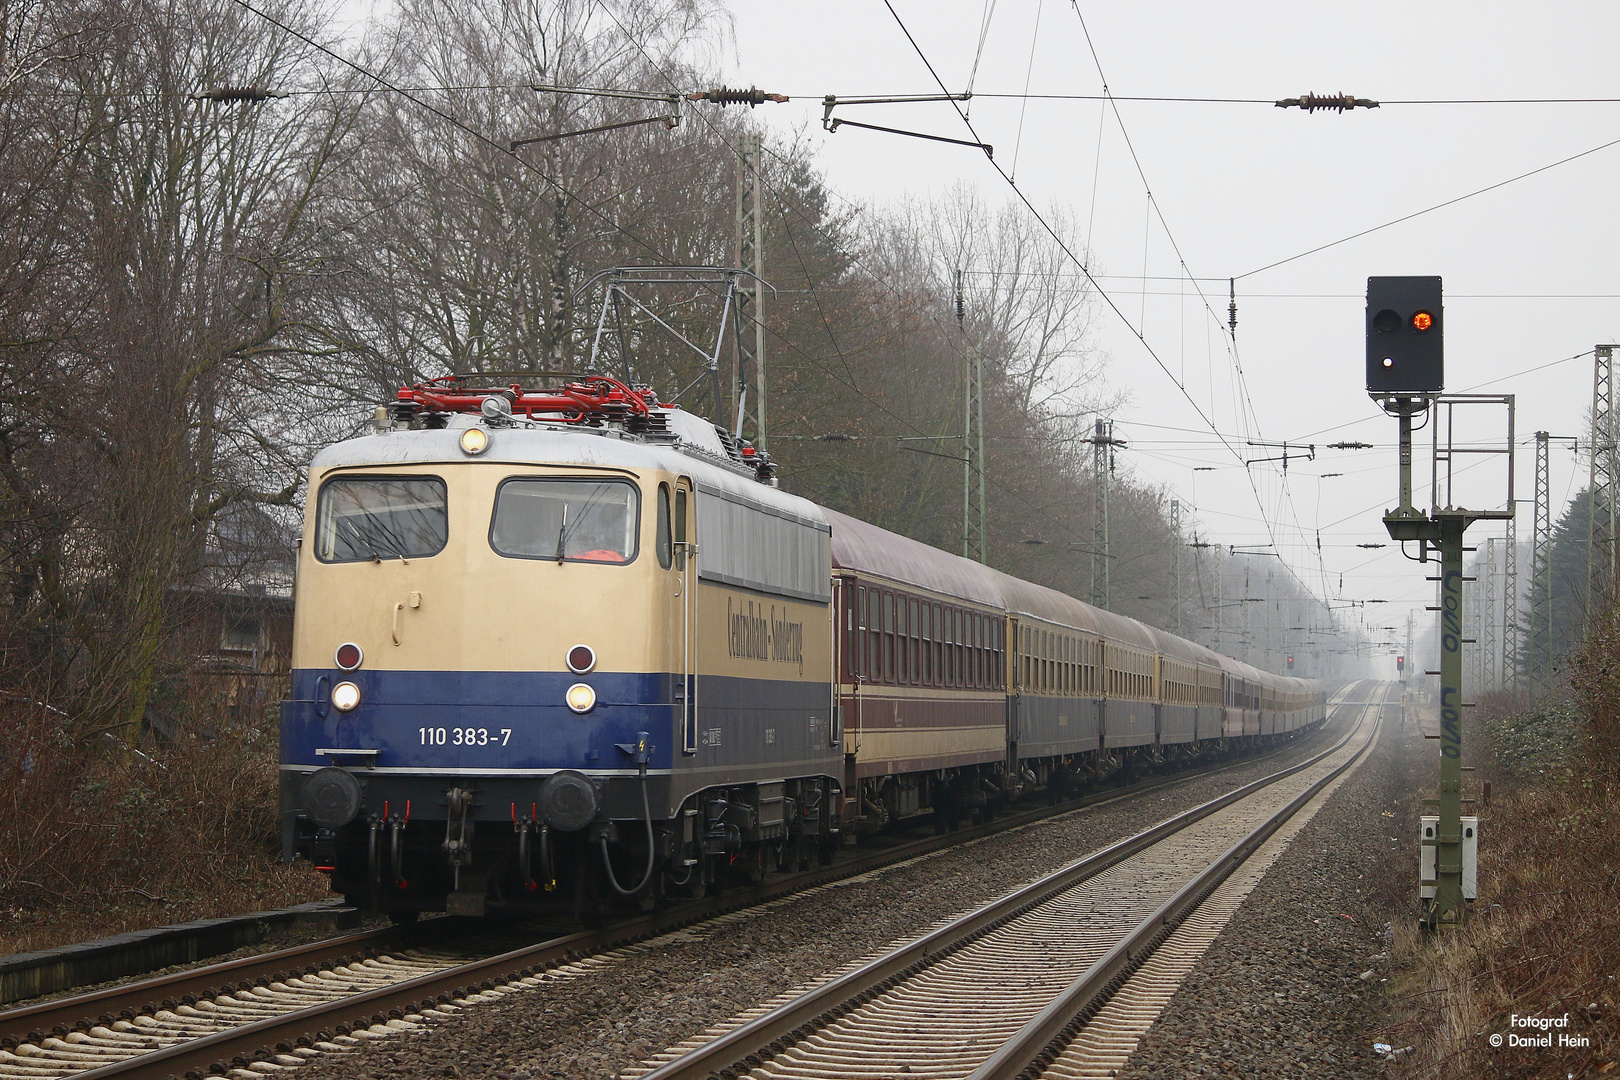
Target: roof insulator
x=725, y=95
x=238, y=93
x=1334, y=102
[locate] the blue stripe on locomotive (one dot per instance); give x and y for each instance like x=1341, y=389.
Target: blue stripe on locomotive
x=743, y=723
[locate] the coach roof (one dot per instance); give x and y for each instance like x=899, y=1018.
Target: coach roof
x=867, y=549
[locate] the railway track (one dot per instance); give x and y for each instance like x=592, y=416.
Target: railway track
x=284, y=1007
x=1057, y=979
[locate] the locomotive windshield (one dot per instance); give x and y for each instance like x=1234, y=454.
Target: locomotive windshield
x=371, y=518
x=566, y=520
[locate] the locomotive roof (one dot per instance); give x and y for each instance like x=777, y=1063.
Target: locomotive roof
x=865, y=548
x=599, y=448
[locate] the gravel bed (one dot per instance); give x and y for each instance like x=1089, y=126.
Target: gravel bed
x=1293, y=987
x=652, y=996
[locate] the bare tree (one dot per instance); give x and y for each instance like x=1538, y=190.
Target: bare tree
x=166, y=262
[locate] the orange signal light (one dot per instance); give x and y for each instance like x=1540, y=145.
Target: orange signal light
x=1422, y=320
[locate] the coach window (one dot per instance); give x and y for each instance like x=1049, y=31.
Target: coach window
x=936, y=651
x=1023, y=659
x=912, y=634
x=972, y=649
x=956, y=648
x=936, y=666
x=984, y=650
x=968, y=678
x=1001, y=651
x=964, y=651
x=663, y=541
x=978, y=651
x=902, y=640
x=888, y=637
x=979, y=666
x=927, y=642
x=874, y=637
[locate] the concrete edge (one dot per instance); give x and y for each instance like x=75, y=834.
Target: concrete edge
x=33, y=974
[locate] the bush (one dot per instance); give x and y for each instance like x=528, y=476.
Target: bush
x=97, y=837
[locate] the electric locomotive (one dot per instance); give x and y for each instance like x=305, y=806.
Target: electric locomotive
x=552, y=637
x=564, y=647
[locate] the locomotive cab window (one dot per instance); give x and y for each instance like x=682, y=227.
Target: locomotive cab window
x=663, y=540
x=372, y=518
x=566, y=520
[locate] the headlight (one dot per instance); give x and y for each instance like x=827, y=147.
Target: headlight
x=580, y=697
x=475, y=440
x=345, y=696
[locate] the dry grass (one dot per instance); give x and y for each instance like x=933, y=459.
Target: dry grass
x=1544, y=936
x=99, y=839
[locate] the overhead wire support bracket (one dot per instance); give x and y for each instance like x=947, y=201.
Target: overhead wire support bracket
x=832, y=123
x=1309, y=453
x=670, y=120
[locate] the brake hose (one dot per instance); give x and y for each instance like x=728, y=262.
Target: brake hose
x=607, y=863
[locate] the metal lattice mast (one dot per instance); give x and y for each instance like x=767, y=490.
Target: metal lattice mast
x=974, y=542
x=750, y=297
x=973, y=516
x=1539, y=638
x=1175, y=533
x=1487, y=618
x=1102, y=442
x=1600, y=528
x=1510, y=608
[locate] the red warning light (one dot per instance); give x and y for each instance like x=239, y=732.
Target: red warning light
x=1422, y=320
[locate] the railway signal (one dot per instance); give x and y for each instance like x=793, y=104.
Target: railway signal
x=1405, y=376
x=1405, y=336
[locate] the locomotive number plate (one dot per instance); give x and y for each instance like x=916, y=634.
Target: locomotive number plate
x=464, y=736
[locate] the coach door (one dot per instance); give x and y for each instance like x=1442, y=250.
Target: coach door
x=685, y=553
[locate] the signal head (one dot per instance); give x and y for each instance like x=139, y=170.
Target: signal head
x=1405, y=343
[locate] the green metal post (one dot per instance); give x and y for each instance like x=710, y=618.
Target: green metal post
x=1449, y=907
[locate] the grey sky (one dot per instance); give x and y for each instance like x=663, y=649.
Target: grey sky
x=1529, y=269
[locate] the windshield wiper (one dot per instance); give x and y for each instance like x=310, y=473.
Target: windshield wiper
x=562, y=534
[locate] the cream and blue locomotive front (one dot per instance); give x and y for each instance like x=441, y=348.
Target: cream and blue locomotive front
x=518, y=652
